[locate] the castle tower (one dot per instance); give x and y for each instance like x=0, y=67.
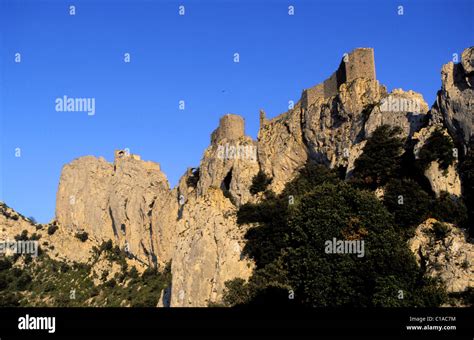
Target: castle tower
x=357, y=64
x=231, y=127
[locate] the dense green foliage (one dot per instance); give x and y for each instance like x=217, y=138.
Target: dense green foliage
x=288, y=245
x=408, y=203
x=449, y=209
x=380, y=159
x=289, y=231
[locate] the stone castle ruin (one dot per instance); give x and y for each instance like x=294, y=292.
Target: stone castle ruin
x=357, y=64
x=194, y=225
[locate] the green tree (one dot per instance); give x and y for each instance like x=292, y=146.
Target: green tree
x=408, y=203
x=380, y=158
x=260, y=183
x=289, y=243
x=450, y=209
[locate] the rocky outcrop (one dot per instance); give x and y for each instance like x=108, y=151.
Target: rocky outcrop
x=281, y=149
x=115, y=201
x=455, y=101
x=440, y=179
x=194, y=224
x=332, y=120
x=230, y=162
x=82, y=197
x=407, y=110
x=62, y=244
x=208, y=251
x=208, y=242
x=444, y=253
x=443, y=180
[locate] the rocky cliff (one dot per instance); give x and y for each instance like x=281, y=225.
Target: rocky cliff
x=194, y=227
x=118, y=201
x=454, y=105
x=445, y=253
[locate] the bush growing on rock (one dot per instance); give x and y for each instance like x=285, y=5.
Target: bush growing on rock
x=260, y=183
x=52, y=229
x=440, y=230
x=450, y=209
x=82, y=236
x=438, y=147
x=408, y=203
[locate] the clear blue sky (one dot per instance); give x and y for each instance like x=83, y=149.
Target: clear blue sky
x=187, y=58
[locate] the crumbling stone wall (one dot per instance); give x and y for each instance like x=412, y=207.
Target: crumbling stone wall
x=357, y=64
x=230, y=127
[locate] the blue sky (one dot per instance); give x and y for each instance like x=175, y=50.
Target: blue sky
x=187, y=58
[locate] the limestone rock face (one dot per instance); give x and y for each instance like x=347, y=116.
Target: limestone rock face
x=467, y=59
x=135, y=187
x=114, y=201
x=207, y=243
x=281, y=149
x=194, y=225
x=66, y=246
x=82, y=197
x=440, y=180
x=407, y=110
x=450, y=258
x=208, y=251
x=455, y=101
x=331, y=126
x=163, y=232
x=443, y=180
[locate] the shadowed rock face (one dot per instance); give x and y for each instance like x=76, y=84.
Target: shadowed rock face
x=455, y=101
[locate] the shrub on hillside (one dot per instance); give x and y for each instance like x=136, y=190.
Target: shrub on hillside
x=440, y=230
x=52, y=229
x=450, y=209
x=260, y=182
x=408, y=203
x=82, y=236
x=380, y=159
x=289, y=247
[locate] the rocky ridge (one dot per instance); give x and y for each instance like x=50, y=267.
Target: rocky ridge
x=193, y=225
